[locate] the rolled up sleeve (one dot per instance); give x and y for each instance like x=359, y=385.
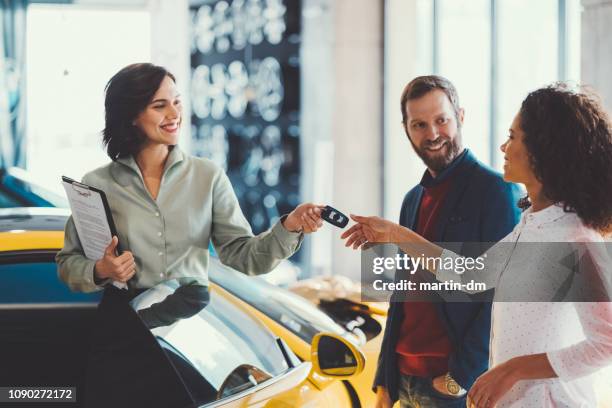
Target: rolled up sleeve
x=234, y=240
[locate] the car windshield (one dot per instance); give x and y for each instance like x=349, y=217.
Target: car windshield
x=229, y=349
x=18, y=184
x=7, y=200
x=290, y=310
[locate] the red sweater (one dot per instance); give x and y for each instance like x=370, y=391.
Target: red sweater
x=424, y=347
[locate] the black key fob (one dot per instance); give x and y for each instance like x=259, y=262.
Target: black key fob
x=334, y=217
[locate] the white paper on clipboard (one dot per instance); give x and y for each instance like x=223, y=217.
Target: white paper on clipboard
x=90, y=220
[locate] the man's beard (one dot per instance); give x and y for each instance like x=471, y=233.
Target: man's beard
x=439, y=160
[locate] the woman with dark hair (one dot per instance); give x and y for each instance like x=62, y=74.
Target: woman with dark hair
x=166, y=204
x=560, y=148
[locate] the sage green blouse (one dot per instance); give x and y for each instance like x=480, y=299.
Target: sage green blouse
x=170, y=236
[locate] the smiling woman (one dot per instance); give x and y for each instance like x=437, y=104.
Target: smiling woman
x=167, y=205
x=139, y=101
x=157, y=118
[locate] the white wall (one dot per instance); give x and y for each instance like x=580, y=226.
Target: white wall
x=316, y=122
x=342, y=84
x=358, y=117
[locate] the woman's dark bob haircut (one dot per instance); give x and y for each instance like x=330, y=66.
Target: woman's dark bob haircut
x=128, y=93
x=568, y=138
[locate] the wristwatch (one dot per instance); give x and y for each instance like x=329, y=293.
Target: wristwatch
x=452, y=386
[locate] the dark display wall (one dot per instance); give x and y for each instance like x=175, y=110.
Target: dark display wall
x=245, y=93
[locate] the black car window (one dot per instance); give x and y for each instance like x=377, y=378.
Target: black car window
x=36, y=281
x=211, y=349
x=9, y=201
x=290, y=310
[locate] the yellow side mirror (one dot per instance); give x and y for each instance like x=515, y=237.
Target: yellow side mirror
x=334, y=356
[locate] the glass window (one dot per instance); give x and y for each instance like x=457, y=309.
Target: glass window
x=289, y=310
x=408, y=53
x=65, y=84
x=573, y=29
x=464, y=53
x=494, y=57
x=230, y=350
x=527, y=57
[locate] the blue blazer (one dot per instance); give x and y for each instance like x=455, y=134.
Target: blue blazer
x=481, y=208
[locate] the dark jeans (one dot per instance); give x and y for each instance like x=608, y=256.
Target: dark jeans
x=418, y=392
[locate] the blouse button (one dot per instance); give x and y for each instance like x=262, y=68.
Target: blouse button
x=159, y=234
x=156, y=214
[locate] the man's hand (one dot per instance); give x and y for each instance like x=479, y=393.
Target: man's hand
x=118, y=268
x=368, y=229
x=304, y=218
x=383, y=400
x=439, y=384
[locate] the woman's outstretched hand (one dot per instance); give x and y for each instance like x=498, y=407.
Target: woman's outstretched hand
x=369, y=230
x=304, y=218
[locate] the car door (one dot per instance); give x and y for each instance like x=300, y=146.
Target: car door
x=114, y=357
x=223, y=356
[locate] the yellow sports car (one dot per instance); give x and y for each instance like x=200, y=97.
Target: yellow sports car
x=253, y=344
x=297, y=321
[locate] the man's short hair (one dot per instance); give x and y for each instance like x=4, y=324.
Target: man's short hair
x=422, y=85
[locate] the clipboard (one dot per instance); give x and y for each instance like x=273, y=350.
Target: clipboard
x=93, y=219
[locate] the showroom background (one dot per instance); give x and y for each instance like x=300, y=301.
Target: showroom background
x=296, y=99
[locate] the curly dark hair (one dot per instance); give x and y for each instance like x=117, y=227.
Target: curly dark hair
x=568, y=137
x=128, y=93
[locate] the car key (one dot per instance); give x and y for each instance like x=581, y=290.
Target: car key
x=334, y=217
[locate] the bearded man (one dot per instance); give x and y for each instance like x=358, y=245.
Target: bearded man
x=433, y=351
